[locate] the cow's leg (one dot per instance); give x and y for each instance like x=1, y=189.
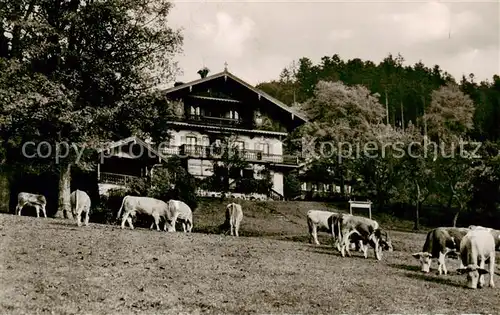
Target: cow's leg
x=129, y=221
x=441, y=263
x=37, y=208
x=377, y=250
x=364, y=249
x=87, y=217
x=156, y=218
x=44, y=211
x=237, y=228
x=125, y=219
x=20, y=207
x=482, y=264
x=184, y=227
x=79, y=217
x=315, y=234
x=492, y=268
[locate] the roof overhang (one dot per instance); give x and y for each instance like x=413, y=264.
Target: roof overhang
x=225, y=74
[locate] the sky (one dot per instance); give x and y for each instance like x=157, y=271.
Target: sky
x=258, y=39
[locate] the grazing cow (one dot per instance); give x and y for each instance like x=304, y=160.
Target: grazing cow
x=478, y=244
x=318, y=220
x=80, y=202
x=185, y=216
x=438, y=244
x=150, y=206
x=234, y=215
x=34, y=200
x=495, y=233
x=350, y=227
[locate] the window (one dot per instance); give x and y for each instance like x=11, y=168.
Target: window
x=232, y=114
x=263, y=147
x=195, y=111
x=205, y=141
x=191, y=140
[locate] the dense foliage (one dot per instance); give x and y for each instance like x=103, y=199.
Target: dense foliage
x=416, y=131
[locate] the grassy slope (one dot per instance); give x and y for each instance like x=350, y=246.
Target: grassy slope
x=51, y=266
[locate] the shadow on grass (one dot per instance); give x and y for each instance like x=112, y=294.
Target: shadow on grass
x=405, y=267
x=434, y=279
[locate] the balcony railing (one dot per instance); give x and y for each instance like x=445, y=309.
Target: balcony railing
x=216, y=121
x=116, y=179
x=215, y=152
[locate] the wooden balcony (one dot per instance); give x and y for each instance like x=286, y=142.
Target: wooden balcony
x=214, y=152
x=116, y=179
x=217, y=121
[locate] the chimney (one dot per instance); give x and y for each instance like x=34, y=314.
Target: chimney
x=203, y=72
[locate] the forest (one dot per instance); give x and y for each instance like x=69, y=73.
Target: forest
x=454, y=172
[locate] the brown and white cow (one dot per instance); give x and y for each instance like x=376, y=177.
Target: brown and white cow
x=477, y=246
x=80, y=202
x=438, y=243
x=349, y=228
x=37, y=201
x=150, y=206
x=234, y=216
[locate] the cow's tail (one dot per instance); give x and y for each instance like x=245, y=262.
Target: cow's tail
x=309, y=224
x=120, y=211
x=74, y=212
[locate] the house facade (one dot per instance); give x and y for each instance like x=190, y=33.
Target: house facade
x=217, y=110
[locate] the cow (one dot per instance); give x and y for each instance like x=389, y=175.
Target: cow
x=80, y=202
x=34, y=200
x=495, y=233
x=234, y=215
x=477, y=244
x=185, y=216
x=350, y=228
x=318, y=220
x=438, y=243
x=150, y=206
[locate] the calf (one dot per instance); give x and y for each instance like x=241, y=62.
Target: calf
x=477, y=244
x=234, y=215
x=440, y=242
x=150, y=206
x=80, y=202
x=34, y=200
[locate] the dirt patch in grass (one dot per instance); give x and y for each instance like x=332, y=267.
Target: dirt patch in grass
x=49, y=266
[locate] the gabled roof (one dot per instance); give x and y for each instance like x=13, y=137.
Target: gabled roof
x=135, y=140
x=243, y=83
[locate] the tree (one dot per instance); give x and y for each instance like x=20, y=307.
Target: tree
x=343, y=119
x=450, y=114
x=95, y=66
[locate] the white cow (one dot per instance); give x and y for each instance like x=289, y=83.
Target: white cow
x=185, y=215
x=477, y=246
x=318, y=220
x=495, y=233
x=80, y=202
x=234, y=215
x=150, y=206
x=34, y=200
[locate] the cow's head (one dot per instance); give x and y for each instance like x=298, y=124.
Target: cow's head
x=385, y=241
x=425, y=260
x=473, y=274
